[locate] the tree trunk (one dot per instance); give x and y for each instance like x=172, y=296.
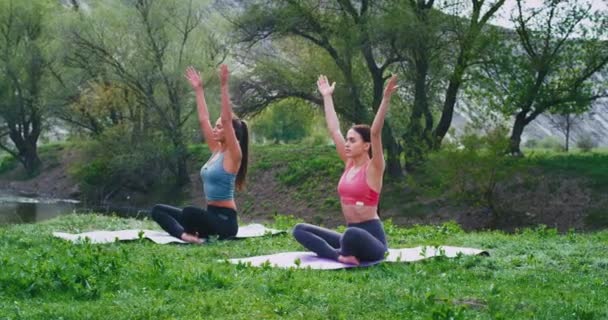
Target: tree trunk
x=518, y=129
x=416, y=144
x=393, y=150
x=24, y=137
x=181, y=159
x=448, y=113
x=31, y=160
x=567, y=133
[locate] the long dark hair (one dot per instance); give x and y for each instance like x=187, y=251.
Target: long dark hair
x=242, y=134
x=364, y=131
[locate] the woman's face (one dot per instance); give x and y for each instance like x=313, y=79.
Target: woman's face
x=354, y=145
x=218, y=131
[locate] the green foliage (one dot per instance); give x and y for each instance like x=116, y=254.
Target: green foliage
x=288, y=121
x=597, y=219
x=469, y=171
x=199, y=153
x=7, y=163
x=321, y=166
x=546, y=69
x=527, y=275
x=28, y=57
x=119, y=159
x=358, y=47
x=135, y=79
x=548, y=143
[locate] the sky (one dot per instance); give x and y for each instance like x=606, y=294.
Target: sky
x=502, y=16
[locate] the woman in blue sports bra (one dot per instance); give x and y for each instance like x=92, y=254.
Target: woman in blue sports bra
x=223, y=172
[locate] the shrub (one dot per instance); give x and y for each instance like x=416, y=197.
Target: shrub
x=586, y=143
x=7, y=163
x=119, y=160
x=531, y=143
x=468, y=171
x=551, y=143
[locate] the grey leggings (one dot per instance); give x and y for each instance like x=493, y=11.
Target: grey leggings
x=365, y=240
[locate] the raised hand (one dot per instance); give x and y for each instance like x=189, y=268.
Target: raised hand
x=391, y=86
x=224, y=74
x=324, y=88
x=194, y=77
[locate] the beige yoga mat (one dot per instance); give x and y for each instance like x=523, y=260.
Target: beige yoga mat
x=301, y=259
x=160, y=237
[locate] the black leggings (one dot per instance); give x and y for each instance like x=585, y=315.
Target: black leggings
x=213, y=221
x=365, y=240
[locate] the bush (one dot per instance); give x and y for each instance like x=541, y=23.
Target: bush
x=468, y=171
x=7, y=163
x=287, y=121
x=551, y=143
x=586, y=143
x=118, y=160
x=531, y=143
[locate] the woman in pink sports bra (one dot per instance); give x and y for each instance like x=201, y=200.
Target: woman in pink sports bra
x=359, y=187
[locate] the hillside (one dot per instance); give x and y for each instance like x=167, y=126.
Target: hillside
x=558, y=190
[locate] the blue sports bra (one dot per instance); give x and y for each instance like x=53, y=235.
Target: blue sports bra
x=217, y=182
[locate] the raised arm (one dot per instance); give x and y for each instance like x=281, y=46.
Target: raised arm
x=194, y=78
x=333, y=125
x=232, y=144
x=376, y=129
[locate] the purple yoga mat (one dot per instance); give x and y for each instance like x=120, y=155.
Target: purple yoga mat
x=304, y=259
x=299, y=259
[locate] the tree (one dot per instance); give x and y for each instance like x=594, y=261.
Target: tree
x=342, y=31
x=439, y=48
x=99, y=106
x=144, y=48
x=361, y=42
x=26, y=59
x=550, y=66
x=565, y=122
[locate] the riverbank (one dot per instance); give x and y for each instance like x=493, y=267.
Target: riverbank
x=557, y=190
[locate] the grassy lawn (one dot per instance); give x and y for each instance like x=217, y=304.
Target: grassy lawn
x=591, y=165
x=532, y=274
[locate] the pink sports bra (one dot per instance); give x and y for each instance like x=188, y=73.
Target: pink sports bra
x=356, y=190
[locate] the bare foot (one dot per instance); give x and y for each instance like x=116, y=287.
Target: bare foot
x=349, y=260
x=191, y=238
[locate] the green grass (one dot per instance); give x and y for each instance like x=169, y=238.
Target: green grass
x=533, y=274
x=311, y=172
x=593, y=166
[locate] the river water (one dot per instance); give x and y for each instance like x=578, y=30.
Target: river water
x=18, y=209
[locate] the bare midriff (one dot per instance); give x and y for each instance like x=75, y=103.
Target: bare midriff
x=223, y=203
x=357, y=213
